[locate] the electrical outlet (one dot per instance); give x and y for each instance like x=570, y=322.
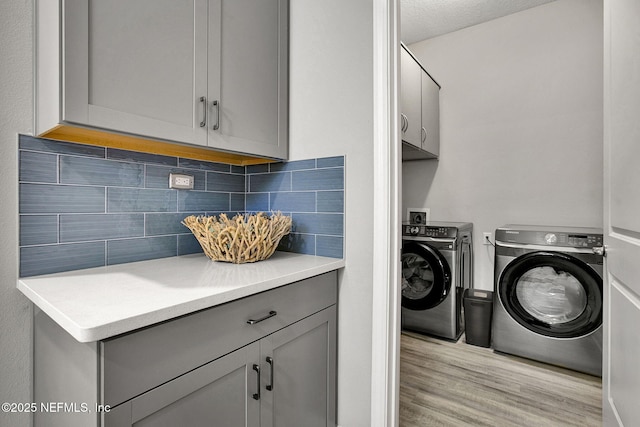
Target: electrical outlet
x=486, y=238
x=180, y=181
x=418, y=215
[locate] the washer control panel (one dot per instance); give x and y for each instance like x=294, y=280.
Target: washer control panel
x=428, y=231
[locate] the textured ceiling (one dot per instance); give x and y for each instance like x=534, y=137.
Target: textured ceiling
x=424, y=19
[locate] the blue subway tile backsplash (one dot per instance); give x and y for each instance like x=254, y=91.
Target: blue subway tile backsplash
x=278, y=181
x=88, y=171
x=46, y=198
x=84, y=227
x=36, y=260
x=38, y=167
x=83, y=206
x=141, y=200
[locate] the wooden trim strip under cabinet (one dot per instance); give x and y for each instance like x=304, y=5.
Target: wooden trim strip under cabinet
x=127, y=142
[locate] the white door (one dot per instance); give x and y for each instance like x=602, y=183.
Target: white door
x=621, y=353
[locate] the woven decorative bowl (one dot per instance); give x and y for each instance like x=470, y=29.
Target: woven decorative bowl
x=244, y=238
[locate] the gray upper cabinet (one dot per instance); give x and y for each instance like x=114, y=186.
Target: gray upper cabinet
x=430, y=132
x=204, y=72
x=248, y=76
x=420, y=110
x=411, y=102
x=137, y=67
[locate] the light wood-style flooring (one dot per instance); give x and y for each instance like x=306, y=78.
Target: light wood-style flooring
x=456, y=384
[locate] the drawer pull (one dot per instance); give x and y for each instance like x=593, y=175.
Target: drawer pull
x=256, y=368
x=270, y=362
x=254, y=321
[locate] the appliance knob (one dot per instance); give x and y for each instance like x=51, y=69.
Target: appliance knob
x=414, y=231
x=551, y=238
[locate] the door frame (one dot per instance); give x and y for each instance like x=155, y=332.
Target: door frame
x=387, y=155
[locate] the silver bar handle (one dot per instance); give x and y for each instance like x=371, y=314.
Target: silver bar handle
x=216, y=104
x=256, y=368
x=203, y=123
x=270, y=362
x=424, y=134
x=254, y=321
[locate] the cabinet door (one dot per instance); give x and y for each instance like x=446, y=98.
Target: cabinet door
x=220, y=393
x=248, y=76
x=411, y=103
x=299, y=373
x=137, y=67
x=430, y=115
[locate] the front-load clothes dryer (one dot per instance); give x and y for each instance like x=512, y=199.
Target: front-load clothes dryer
x=548, y=295
x=437, y=267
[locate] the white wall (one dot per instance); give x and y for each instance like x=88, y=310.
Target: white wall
x=16, y=106
x=331, y=113
x=521, y=124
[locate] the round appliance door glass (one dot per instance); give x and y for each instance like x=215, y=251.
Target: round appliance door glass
x=425, y=276
x=553, y=294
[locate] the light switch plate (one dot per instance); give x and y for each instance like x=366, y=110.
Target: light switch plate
x=180, y=181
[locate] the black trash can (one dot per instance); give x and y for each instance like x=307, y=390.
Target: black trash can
x=478, y=308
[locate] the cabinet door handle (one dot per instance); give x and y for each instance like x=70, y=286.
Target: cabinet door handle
x=216, y=104
x=424, y=134
x=254, y=321
x=203, y=123
x=270, y=385
x=404, y=123
x=256, y=368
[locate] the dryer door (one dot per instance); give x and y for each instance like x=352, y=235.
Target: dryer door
x=426, y=276
x=553, y=294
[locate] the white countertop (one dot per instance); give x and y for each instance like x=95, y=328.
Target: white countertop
x=98, y=303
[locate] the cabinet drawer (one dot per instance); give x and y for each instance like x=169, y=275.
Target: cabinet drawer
x=134, y=363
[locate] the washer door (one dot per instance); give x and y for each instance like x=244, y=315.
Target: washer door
x=426, y=277
x=553, y=294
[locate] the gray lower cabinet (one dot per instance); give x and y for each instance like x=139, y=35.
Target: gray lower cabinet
x=204, y=72
x=300, y=373
x=266, y=360
x=216, y=394
x=284, y=379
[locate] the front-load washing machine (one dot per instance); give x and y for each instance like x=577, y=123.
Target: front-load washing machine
x=548, y=295
x=437, y=267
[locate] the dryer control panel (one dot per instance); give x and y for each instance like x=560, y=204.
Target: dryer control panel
x=577, y=238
